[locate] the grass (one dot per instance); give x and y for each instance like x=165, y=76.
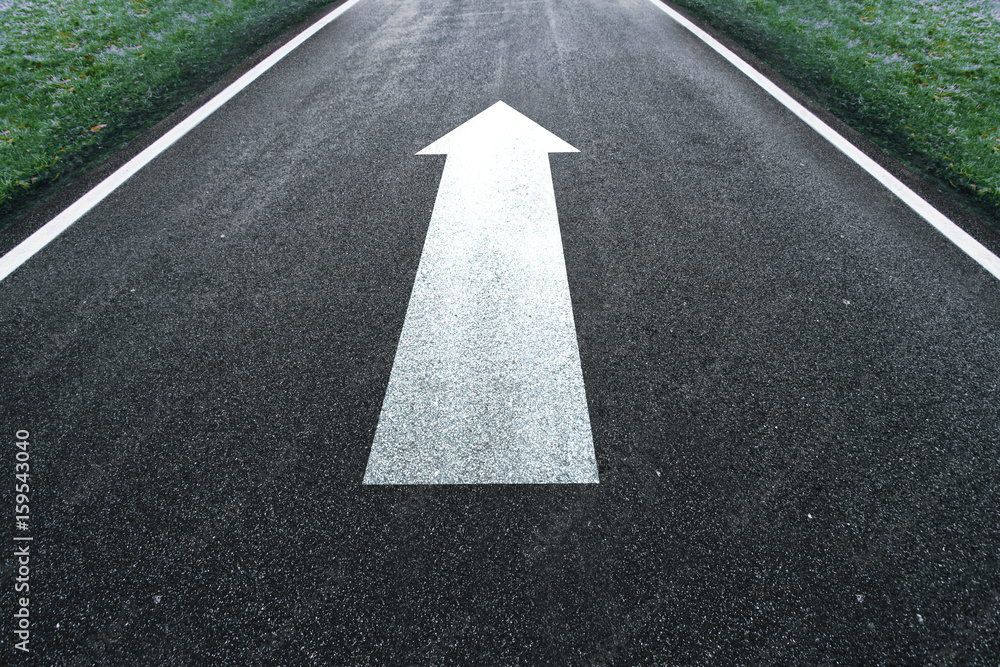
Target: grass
x=921, y=78
x=80, y=78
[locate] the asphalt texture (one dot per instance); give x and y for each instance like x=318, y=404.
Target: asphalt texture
x=793, y=380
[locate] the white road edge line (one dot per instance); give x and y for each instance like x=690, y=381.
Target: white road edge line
x=57, y=225
x=955, y=234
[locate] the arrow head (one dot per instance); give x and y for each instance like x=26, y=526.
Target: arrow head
x=495, y=130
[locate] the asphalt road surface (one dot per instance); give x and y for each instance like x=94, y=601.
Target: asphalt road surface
x=792, y=380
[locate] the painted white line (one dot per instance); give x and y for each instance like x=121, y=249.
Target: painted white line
x=486, y=387
x=955, y=234
x=44, y=235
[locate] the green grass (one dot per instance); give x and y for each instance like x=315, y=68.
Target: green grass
x=921, y=78
x=80, y=78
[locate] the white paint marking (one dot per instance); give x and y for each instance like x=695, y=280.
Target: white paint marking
x=487, y=387
x=53, y=228
x=953, y=232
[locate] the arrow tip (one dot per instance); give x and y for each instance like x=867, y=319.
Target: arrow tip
x=499, y=128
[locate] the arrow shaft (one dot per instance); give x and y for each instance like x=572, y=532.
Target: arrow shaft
x=486, y=386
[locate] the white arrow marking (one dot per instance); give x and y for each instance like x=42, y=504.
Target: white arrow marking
x=487, y=387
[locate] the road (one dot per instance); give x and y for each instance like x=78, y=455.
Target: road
x=792, y=380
